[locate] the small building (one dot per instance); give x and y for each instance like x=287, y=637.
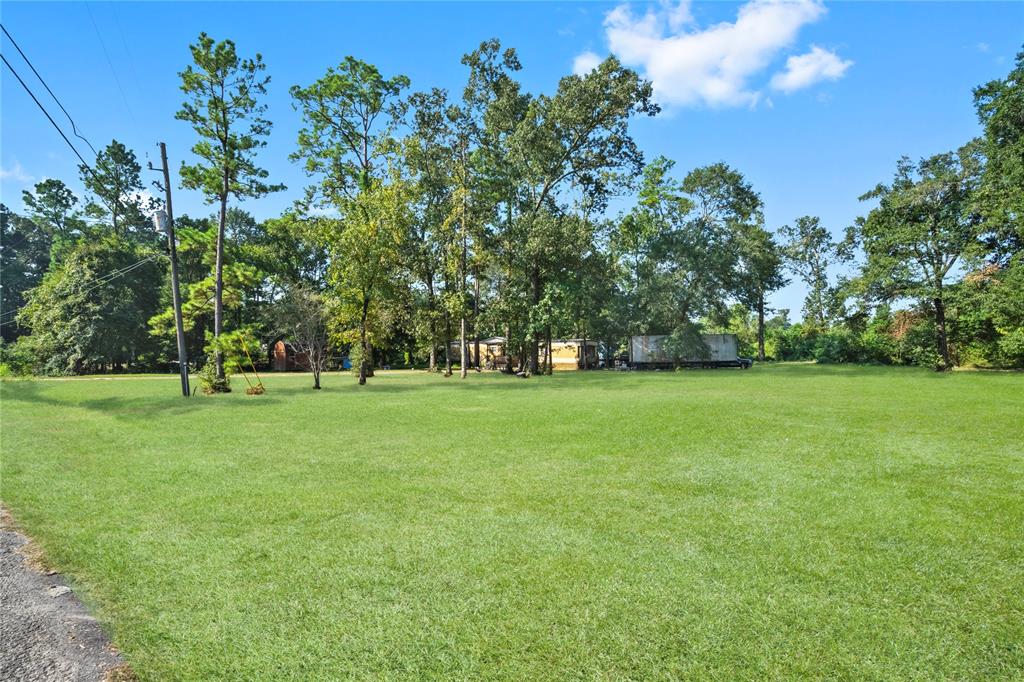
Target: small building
x=492, y=351
x=285, y=358
x=567, y=354
x=650, y=352
x=496, y=355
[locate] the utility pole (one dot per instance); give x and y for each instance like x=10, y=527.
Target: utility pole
x=167, y=218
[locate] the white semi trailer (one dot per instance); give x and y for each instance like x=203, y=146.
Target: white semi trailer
x=647, y=352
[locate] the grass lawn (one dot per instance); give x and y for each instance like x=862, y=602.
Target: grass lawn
x=785, y=521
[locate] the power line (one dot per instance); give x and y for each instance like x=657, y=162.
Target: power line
x=55, y=98
x=47, y=114
x=110, y=63
x=39, y=104
x=106, y=279
x=127, y=51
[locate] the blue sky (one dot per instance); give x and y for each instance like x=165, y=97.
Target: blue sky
x=813, y=103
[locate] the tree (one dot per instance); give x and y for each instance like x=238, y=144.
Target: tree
x=347, y=146
x=366, y=247
x=578, y=136
x=640, y=241
x=925, y=225
x=24, y=257
x=810, y=251
x=114, y=179
x=344, y=137
x=51, y=206
x=222, y=90
x=1000, y=107
x=480, y=129
x=285, y=249
x=301, y=315
x=494, y=107
x=709, y=251
x=760, y=273
x=459, y=222
x=197, y=253
x=430, y=161
x=90, y=311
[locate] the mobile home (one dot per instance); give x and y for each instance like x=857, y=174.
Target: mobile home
x=648, y=352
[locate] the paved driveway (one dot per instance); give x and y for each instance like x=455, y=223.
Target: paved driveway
x=46, y=634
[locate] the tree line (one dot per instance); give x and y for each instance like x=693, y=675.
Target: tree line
x=433, y=219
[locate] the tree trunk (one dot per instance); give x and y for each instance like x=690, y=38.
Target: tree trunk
x=760, y=327
x=940, y=333
x=463, y=354
x=447, y=346
x=364, y=346
x=432, y=362
x=218, y=296
x=533, y=341
x=549, y=368
x=476, y=317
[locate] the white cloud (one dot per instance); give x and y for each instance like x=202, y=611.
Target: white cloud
x=714, y=65
x=144, y=197
x=585, y=63
x=678, y=14
x=15, y=174
x=321, y=212
x=984, y=47
x=807, y=69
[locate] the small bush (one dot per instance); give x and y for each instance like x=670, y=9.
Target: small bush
x=877, y=347
x=1011, y=348
x=17, y=359
x=794, y=343
x=917, y=346
x=208, y=381
x=837, y=346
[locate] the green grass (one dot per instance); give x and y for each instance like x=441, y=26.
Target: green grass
x=786, y=521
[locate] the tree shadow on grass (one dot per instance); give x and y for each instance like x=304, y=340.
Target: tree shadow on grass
x=279, y=396
x=281, y=393
x=812, y=370
x=132, y=406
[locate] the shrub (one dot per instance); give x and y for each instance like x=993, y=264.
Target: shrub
x=18, y=358
x=837, y=346
x=208, y=381
x=1011, y=348
x=917, y=346
x=794, y=343
x=876, y=346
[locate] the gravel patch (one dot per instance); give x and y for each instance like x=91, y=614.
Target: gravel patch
x=46, y=633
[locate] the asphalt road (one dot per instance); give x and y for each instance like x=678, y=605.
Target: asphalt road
x=46, y=634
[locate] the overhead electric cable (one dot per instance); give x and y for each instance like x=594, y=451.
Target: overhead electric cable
x=106, y=279
x=127, y=51
x=28, y=61
x=113, y=71
x=39, y=104
x=46, y=113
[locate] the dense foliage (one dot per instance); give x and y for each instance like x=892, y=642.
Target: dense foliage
x=433, y=220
